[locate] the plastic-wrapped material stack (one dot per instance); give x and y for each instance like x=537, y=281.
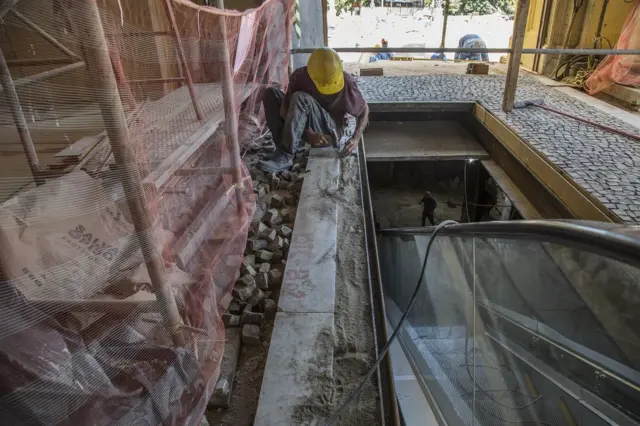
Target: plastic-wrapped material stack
x=620, y=69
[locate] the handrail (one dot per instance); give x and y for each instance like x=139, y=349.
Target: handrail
x=525, y=51
x=603, y=242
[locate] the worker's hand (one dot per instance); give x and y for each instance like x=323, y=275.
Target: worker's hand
x=317, y=139
x=351, y=145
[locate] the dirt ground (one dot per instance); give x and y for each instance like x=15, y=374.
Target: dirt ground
x=398, y=206
x=246, y=386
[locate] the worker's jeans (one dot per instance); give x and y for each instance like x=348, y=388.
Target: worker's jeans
x=304, y=113
x=426, y=215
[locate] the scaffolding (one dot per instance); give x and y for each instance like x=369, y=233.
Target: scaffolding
x=163, y=186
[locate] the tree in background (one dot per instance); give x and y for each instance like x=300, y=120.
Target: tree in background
x=346, y=5
x=483, y=7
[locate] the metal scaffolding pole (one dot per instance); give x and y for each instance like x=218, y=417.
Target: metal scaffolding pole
x=600, y=52
x=513, y=67
x=230, y=113
x=25, y=81
x=100, y=70
x=18, y=118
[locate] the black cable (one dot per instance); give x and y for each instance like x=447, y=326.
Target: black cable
x=334, y=417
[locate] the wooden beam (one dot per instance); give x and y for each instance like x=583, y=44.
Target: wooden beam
x=18, y=118
x=104, y=82
x=6, y=5
x=122, y=307
x=29, y=23
x=230, y=111
x=178, y=158
x=121, y=78
x=556, y=194
x=201, y=229
x=187, y=171
x=36, y=62
x=47, y=74
x=157, y=80
x=325, y=25
x=444, y=25
x=513, y=68
x=183, y=58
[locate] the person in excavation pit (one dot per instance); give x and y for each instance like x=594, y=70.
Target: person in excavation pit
x=428, y=208
x=314, y=108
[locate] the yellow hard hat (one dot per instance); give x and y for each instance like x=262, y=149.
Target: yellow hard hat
x=378, y=46
x=325, y=69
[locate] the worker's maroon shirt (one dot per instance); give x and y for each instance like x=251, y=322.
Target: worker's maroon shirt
x=348, y=100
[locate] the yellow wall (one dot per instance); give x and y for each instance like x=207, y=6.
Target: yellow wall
x=584, y=29
x=532, y=30
x=617, y=12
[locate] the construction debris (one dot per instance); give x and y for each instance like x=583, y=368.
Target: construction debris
x=254, y=307
x=367, y=72
x=275, y=277
x=230, y=320
x=265, y=268
x=478, y=68
x=270, y=309
x=251, y=335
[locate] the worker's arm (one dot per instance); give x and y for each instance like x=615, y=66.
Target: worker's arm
x=361, y=123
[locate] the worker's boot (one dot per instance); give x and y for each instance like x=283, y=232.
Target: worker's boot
x=279, y=162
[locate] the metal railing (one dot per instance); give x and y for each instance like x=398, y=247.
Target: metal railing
x=472, y=50
x=593, y=237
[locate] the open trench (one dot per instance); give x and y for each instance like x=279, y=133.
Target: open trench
x=467, y=186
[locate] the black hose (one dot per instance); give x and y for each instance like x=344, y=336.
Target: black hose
x=334, y=417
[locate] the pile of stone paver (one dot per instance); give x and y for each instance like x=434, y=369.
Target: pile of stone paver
x=254, y=302
x=267, y=248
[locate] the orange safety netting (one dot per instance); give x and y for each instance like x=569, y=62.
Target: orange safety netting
x=620, y=69
x=88, y=330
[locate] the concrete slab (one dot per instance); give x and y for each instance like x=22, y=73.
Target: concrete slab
x=309, y=277
x=300, y=344
x=420, y=140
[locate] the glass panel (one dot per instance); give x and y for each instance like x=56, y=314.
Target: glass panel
x=508, y=331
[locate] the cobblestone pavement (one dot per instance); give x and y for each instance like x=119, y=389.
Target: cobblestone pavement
x=604, y=164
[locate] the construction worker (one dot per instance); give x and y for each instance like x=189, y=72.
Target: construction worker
x=314, y=108
x=380, y=56
x=428, y=208
x=472, y=41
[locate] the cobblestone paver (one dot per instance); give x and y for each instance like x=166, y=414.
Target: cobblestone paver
x=604, y=164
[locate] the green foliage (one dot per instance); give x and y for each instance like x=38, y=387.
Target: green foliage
x=483, y=7
x=345, y=5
